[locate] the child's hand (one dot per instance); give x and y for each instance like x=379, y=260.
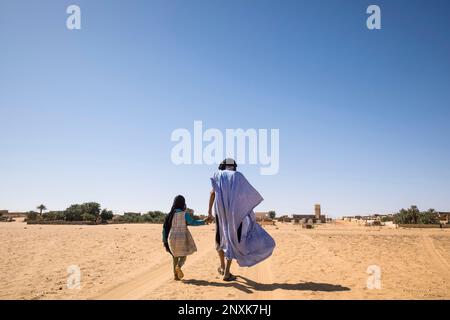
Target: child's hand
x=208, y=220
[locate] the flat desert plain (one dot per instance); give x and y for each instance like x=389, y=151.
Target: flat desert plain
x=127, y=261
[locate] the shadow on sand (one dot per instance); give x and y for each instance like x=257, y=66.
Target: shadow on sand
x=248, y=286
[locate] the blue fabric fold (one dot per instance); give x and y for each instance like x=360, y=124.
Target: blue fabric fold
x=235, y=199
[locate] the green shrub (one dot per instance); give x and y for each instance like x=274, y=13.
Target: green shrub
x=429, y=217
x=54, y=215
x=32, y=216
x=88, y=217
x=92, y=208
x=89, y=211
x=156, y=216
x=106, y=215
x=74, y=213
x=149, y=217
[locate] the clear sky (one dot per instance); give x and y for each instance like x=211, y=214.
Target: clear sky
x=87, y=115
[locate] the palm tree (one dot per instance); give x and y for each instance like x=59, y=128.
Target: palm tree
x=272, y=214
x=41, y=208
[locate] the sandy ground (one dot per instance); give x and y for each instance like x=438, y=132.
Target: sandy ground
x=129, y=262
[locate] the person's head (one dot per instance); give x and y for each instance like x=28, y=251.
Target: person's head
x=228, y=164
x=179, y=203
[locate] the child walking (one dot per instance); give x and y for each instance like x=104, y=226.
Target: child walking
x=177, y=239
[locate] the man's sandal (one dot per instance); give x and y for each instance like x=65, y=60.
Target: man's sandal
x=230, y=277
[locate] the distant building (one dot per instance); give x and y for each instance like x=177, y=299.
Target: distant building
x=284, y=218
x=298, y=218
x=376, y=217
x=317, y=217
x=371, y=220
x=7, y=213
x=262, y=216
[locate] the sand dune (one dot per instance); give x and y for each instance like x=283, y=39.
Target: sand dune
x=129, y=262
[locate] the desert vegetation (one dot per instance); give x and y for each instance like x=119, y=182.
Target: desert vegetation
x=90, y=213
x=414, y=216
x=86, y=212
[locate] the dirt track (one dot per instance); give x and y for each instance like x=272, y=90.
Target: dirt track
x=129, y=262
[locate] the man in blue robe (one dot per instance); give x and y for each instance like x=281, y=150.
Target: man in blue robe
x=238, y=236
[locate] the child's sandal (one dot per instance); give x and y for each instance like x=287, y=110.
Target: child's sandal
x=180, y=273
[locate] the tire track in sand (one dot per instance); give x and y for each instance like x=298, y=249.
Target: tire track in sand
x=142, y=285
x=437, y=259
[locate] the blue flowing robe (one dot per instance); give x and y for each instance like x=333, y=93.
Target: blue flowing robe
x=235, y=199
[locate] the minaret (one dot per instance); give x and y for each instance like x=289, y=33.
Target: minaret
x=317, y=211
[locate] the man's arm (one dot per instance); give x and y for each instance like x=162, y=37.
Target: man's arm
x=212, y=197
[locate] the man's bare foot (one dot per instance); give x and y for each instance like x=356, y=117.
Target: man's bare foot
x=221, y=271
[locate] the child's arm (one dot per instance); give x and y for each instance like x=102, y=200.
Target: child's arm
x=192, y=222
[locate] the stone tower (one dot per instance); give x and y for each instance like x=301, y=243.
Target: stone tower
x=317, y=210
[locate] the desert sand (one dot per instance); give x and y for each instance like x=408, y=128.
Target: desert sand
x=127, y=261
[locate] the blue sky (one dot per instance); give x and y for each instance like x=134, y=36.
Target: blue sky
x=363, y=115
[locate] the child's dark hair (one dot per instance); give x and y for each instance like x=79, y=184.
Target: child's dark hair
x=178, y=203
